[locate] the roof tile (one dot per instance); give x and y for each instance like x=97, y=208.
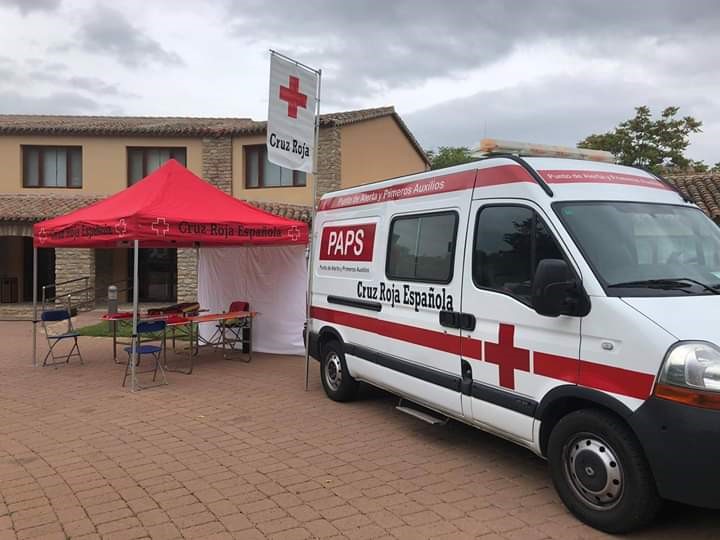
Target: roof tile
x=37, y=207
x=22, y=124
x=31, y=207
x=292, y=211
x=702, y=188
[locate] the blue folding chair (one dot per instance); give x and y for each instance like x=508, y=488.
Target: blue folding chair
x=50, y=318
x=150, y=342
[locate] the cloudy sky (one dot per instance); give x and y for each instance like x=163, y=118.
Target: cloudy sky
x=457, y=70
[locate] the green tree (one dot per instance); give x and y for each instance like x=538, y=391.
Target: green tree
x=657, y=144
x=698, y=166
x=447, y=156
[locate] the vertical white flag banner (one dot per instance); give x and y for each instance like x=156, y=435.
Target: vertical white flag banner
x=291, y=115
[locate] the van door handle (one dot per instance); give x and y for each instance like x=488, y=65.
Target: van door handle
x=467, y=378
x=450, y=319
x=467, y=322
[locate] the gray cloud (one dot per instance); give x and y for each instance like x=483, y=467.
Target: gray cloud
x=372, y=45
x=557, y=110
x=108, y=31
x=28, y=6
x=15, y=76
x=42, y=63
x=95, y=85
x=12, y=102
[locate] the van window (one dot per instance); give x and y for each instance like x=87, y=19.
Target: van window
x=510, y=241
x=422, y=247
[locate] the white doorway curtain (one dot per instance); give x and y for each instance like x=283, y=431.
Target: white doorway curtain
x=273, y=279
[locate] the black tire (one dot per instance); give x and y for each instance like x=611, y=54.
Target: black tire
x=600, y=472
x=336, y=379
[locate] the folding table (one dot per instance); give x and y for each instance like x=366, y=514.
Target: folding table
x=186, y=325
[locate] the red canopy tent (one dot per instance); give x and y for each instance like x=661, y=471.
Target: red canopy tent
x=171, y=207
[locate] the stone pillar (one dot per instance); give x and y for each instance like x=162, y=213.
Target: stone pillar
x=73, y=264
x=186, y=275
x=217, y=162
x=216, y=169
x=329, y=161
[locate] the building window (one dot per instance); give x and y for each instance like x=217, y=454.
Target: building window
x=510, y=241
x=422, y=247
x=143, y=161
x=52, y=166
x=260, y=173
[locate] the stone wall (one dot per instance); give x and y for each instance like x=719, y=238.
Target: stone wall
x=217, y=162
x=217, y=169
x=186, y=275
x=329, y=161
x=71, y=264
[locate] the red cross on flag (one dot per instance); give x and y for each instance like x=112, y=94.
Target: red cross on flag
x=291, y=114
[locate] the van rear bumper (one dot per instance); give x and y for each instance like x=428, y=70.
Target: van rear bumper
x=682, y=444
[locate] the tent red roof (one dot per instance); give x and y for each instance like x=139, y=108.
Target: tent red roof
x=169, y=208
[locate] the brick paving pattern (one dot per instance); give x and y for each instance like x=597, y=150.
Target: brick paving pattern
x=241, y=451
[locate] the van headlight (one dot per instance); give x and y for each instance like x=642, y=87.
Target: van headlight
x=690, y=374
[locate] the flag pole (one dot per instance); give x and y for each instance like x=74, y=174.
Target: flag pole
x=136, y=309
x=35, y=314
x=311, y=242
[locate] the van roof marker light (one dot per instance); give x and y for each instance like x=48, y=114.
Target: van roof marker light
x=489, y=147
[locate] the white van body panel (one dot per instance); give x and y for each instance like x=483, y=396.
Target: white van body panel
x=685, y=318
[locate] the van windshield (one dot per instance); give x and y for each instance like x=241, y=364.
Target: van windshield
x=641, y=249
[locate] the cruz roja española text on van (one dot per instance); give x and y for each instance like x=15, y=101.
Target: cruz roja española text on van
x=431, y=298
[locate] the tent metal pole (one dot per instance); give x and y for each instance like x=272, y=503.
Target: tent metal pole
x=308, y=301
x=136, y=253
x=34, y=286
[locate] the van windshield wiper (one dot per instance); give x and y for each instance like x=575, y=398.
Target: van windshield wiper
x=668, y=284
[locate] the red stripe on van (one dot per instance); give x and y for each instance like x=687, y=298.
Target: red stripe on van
x=556, y=367
x=600, y=177
x=614, y=379
x=599, y=376
x=504, y=174
x=411, y=334
x=409, y=190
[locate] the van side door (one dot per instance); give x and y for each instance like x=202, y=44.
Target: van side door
x=511, y=355
x=412, y=352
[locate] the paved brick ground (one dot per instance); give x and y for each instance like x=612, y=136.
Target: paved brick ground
x=241, y=451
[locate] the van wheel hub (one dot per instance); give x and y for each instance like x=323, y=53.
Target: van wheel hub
x=333, y=371
x=593, y=471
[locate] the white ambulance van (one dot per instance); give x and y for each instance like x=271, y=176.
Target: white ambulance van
x=567, y=305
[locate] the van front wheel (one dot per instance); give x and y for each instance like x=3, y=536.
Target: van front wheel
x=600, y=472
x=336, y=379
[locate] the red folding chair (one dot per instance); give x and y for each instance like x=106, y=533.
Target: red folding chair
x=232, y=333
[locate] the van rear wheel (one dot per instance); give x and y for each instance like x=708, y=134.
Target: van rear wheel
x=336, y=379
x=600, y=472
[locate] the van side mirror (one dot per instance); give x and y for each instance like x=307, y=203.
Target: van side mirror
x=556, y=291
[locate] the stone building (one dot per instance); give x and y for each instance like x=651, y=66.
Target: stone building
x=54, y=164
